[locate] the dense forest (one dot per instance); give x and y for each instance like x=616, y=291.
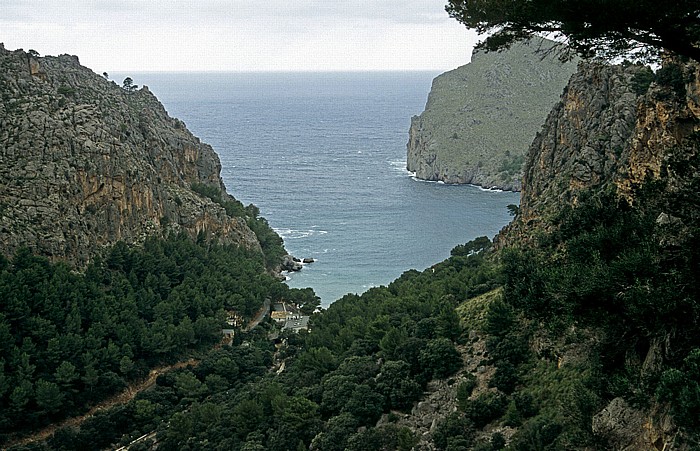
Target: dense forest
x=69, y=339
x=366, y=355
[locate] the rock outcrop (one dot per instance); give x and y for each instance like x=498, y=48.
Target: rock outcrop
x=583, y=140
x=609, y=129
x=85, y=163
x=481, y=118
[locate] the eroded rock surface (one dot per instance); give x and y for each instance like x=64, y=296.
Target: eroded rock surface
x=85, y=163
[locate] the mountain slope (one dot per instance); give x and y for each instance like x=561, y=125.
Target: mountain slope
x=601, y=262
x=480, y=118
x=86, y=163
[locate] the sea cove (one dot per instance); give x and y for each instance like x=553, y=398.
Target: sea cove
x=323, y=155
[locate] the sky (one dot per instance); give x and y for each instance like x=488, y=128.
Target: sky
x=240, y=35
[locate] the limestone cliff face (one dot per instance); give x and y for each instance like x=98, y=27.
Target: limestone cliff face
x=480, y=118
x=85, y=163
x=667, y=119
x=583, y=140
x=603, y=133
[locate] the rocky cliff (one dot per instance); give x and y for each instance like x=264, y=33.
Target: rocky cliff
x=480, y=118
x=582, y=142
x=626, y=131
x=85, y=163
x=613, y=127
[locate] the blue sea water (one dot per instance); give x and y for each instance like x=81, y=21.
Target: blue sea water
x=323, y=156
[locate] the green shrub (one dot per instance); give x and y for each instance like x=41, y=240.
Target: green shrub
x=465, y=389
x=537, y=434
x=681, y=388
x=455, y=426
x=485, y=408
x=440, y=358
x=671, y=76
x=67, y=91
x=642, y=80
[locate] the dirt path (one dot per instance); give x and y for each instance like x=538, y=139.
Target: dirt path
x=121, y=398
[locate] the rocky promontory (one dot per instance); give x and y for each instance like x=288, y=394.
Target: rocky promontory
x=85, y=163
x=481, y=118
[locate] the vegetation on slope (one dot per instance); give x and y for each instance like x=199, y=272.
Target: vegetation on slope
x=600, y=293
x=271, y=243
x=572, y=328
x=366, y=355
x=69, y=339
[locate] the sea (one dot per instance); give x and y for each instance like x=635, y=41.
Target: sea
x=323, y=155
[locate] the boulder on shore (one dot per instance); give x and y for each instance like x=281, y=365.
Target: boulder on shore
x=289, y=263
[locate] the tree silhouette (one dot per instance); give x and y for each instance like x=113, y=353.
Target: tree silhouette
x=128, y=85
x=590, y=27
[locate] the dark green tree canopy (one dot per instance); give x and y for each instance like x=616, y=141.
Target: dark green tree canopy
x=606, y=28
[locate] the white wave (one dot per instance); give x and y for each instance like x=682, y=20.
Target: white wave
x=294, y=234
x=320, y=232
x=401, y=166
x=414, y=178
x=493, y=189
x=398, y=164
x=324, y=251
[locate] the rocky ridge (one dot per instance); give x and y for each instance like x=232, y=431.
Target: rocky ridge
x=85, y=163
x=606, y=131
x=612, y=131
x=480, y=118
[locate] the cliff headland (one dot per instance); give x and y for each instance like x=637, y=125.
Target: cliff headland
x=481, y=117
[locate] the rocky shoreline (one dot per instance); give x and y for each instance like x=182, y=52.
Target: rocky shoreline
x=291, y=263
x=511, y=187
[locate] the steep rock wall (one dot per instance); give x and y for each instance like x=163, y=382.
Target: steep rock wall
x=583, y=140
x=85, y=163
x=480, y=118
x=604, y=132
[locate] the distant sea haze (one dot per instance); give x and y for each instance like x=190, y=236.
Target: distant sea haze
x=323, y=155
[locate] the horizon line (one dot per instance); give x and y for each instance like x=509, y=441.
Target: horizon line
x=274, y=71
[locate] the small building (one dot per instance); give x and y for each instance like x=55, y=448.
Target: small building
x=279, y=316
x=283, y=312
x=228, y=333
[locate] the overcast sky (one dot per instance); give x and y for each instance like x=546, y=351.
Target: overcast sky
x=240, y=35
